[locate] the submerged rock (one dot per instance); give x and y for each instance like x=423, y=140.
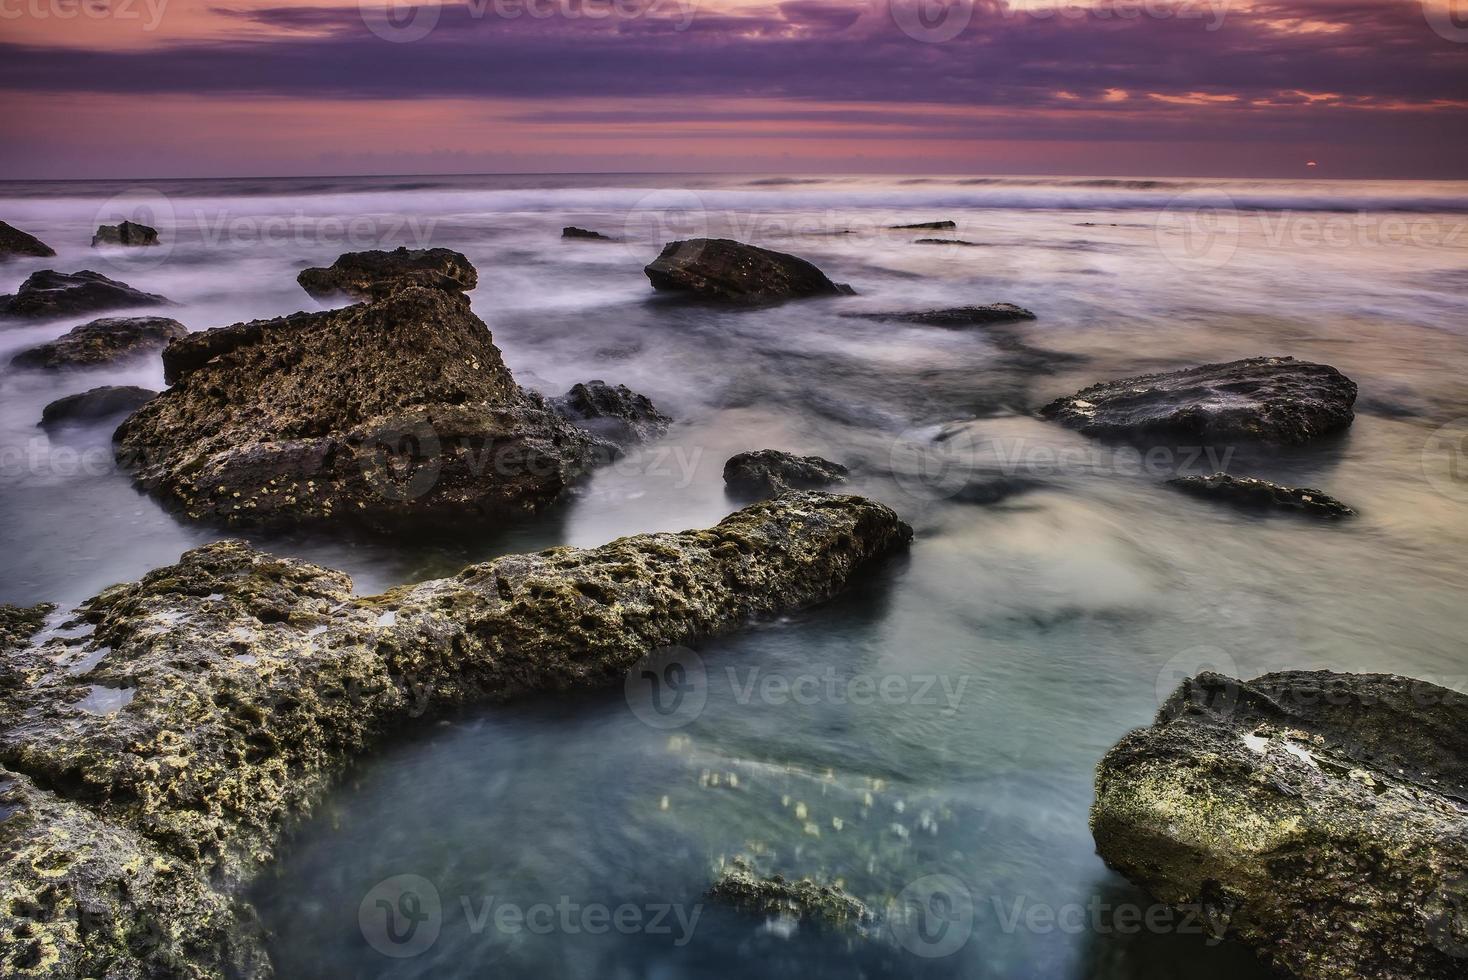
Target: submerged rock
x=98, y=403
x=740, y=886
x=1275, y=400
x=948, y=241
x=926, y=226
x=224, y=693
x=125, y=233
x=1319, y=818
x=571, y=231
x=102, y=342
x=732, y=272
x=619, y=415
x=957, y=316
x=367, y=275
x=1249, y=492
x=14, y=242
x=395, y=412
x=765, y=472
x=49, y=293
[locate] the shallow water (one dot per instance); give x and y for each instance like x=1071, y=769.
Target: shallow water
x=946, y=716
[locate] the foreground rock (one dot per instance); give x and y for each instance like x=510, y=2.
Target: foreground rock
x=619, y=415
x=49, y=293
x=1276, y=400
x=389, y=413
x=1319, y=818
x=103, y=341
x=126, y=233
x=765, y=472
x=1253, y=494
x=740, y=886
x=98, y=403
x=957, y=316
x=571, y=231
x=19, y=623
x=214, y=700
x=14, y=242
x=367, y=275
x=731, y=272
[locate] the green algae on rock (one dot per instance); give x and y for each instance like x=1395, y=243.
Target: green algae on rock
x=1319, y=818
x=741, y=886
x=19, y=623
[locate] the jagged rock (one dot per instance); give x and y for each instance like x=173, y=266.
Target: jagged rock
x=368, y=275
x=388, y=413
x=742, y=887
x=1319, y=818
x=926, y=226
x=728, y=271
x=15, y=242
x=1275, y=400
x=102, y=342
x=1252, y=493
x=126, y=233
x=765, y=472
x=957, y=316
x=19, y=623
x=215, y=699
x=571, y=231
x=619, y=415
x=98, y=403
x=49, y=293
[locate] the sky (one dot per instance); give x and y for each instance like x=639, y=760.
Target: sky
x=1258, y=88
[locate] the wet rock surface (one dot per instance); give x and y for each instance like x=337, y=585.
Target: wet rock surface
x=957, y=316
x=209, y=704
x=387, y=414
x=1254, y=494
x=742, y=887
x=19, y=623
x=766, y=472
x=926, y=226
x=125, y=233
x=14, y=242
x=571, y=231
x=1272, y=400
x=49, y=293
x=103, y=341
x=96, y=403
x=374, y=274
x=1319, y=818
x=724, y=270
x=615, y=413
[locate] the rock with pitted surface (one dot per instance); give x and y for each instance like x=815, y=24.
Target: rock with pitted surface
x=188, y=718
x=374, y=274
x=49, y=293
x=571, y=231
x=103, y=342
x=765, y=472
x=1319, y=818
x=956, y=316
x=16, y=243
x=396, y=412
x=19, y=623
x=617, y=414
x=128, y=233
x=1271, y=400
x=727, y=271
x=741, y=886
x=97, y=403
x=1254, y=494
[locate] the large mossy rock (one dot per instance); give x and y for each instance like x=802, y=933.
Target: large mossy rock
x=723, y=270
x=187, y=718
x=388, y=413
x=48, y=293
x=103, y=341
x=374, y=274
x=1319, y=818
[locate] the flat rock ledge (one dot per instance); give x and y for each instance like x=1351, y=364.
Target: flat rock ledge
x=373, y=274
x=155, y=746
x=14, y=242
x=766, y=472
x=1249, y=493
x=726, y=271
x=740, y=886
x=48, y=293
x=103, y=342
x=956, y=316
x=1319, y=818
x=1272, y=400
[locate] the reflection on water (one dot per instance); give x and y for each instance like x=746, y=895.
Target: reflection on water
x=945, y=718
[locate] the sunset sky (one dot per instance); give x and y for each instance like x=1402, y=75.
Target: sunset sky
x=135, y=88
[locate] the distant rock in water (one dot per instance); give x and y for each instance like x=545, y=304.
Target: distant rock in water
x=1320, y=819
x=741, y=887
x=617, y=414
x=728, y=271
x=957, y=316
x=1249, y=493
x=103, y=342
x=125, y=233
x=766, y=472
x=396, y=412
x=98, y=403
x=48, y=293
x=1276, y=400
x=571, y=231
x=14, y=242
x=926, y=226
x=368, y=275
x=948, y=241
